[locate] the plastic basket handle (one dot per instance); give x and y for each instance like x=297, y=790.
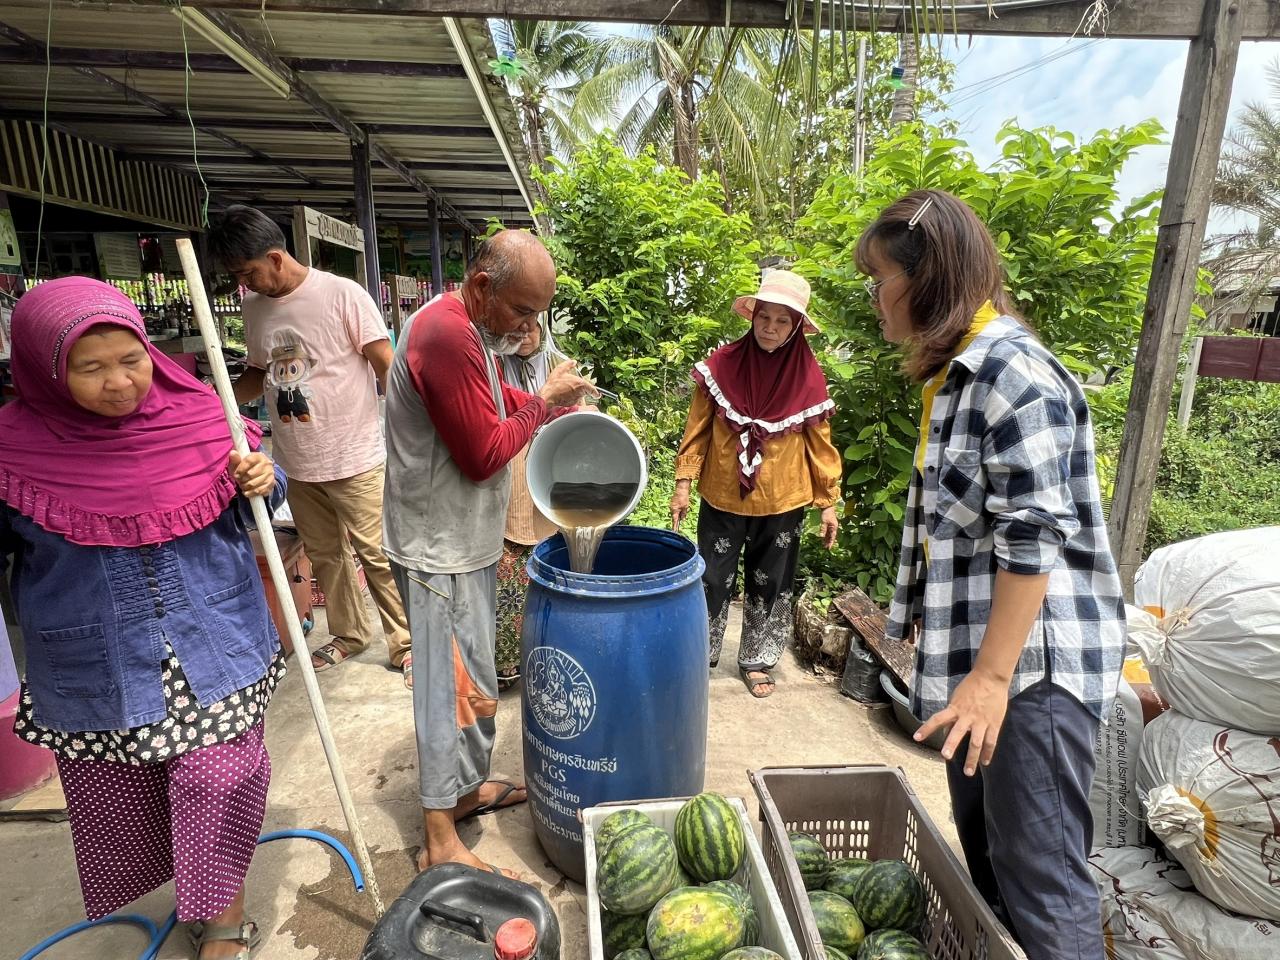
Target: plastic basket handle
x=473, y=922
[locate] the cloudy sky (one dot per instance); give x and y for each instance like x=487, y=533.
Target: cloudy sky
x=1084, y=86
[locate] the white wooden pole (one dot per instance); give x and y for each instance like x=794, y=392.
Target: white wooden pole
x=284, y=592
x=1189, y=384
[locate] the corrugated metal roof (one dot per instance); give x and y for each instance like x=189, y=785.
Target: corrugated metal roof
x=454, y=131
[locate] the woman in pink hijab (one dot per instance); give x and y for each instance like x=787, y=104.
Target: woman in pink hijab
x=150, y=651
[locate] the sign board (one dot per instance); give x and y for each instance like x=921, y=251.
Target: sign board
x=10, y=255
x=332, y=230
x=118, y=255
x=407, y=288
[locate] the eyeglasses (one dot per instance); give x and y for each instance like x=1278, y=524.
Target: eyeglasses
x=873, y=286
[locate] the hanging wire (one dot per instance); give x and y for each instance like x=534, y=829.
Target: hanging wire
x=186, y=93
x=44, y=135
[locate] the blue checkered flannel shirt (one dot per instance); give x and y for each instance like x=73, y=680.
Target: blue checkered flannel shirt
x=1009, y=482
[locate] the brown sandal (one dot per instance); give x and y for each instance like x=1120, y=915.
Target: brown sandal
x=331, y=656
x=246, y=934
x=768, y=681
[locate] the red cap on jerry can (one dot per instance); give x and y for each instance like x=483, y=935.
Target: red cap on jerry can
x=515, y=940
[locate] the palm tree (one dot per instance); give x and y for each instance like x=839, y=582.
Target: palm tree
x=904, y=98
x=1248, y=184
x=551, y=60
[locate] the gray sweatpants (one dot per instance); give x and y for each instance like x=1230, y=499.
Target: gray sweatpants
x=1025, y=825
x=452, y=619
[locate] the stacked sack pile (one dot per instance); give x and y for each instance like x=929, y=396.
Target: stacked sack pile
x=1187, y=797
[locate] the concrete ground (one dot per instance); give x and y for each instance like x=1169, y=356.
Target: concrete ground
x=301, y=895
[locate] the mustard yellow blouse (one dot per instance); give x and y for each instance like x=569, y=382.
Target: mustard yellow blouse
x=799, y=469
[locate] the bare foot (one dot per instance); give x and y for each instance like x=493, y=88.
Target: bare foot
x=460, y=854
x=503, y=793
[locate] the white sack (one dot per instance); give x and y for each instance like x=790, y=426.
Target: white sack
x=1209, y=627
x=1151, y=911
x=1212, y=796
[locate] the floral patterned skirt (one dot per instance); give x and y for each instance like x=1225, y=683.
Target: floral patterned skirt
x=513, y=584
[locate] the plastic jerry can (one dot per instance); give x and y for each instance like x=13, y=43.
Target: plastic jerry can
x=455, y=912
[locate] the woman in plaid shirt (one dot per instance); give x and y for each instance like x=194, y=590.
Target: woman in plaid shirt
x=1006, y=580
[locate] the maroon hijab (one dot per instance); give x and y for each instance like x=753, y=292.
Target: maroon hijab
x=761, y=394
x=151, y=476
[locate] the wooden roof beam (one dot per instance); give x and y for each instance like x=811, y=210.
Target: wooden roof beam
x=317, y=163
x=219, y=63
x=283, y=124
x=1137, y=19
x=340, y=121
x=165, y=111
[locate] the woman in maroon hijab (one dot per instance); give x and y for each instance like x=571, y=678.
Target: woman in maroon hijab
x=758, y=441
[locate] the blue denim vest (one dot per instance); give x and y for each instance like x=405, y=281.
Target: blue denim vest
x=95, y=619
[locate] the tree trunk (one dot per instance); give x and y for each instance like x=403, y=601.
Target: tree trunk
x=904, y=99
x=537, y=139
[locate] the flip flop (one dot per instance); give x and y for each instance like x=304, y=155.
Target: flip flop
x=497, y=803
x=752, y=684
x=406, y=668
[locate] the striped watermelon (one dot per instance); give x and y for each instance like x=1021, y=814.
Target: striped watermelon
x=637, y=870
x=844, y=873
x=749, y=915
x=637, y=953
x=709, y=838
x=892, y=945
x=889, y=895
x=621, y=933
x=615, y=824
x=751, y=953
x=695, y=924
x=838, y=923
x=811, y=858
x=833, y=954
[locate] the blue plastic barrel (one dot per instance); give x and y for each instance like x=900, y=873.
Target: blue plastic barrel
x=614, y=681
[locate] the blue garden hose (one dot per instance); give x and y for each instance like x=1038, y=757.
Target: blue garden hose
x=158, y=935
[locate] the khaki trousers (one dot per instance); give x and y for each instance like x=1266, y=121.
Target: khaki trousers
x=332, y=517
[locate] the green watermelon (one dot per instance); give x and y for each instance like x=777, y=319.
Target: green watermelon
x=892, y=945
x=749, y=915
x=838, y=923
x=889, y=895
x=621, y=933
x=637, y=870
x=844, y=873
x=695, y=924
x=709, y=838
x=834, y=954
x=751, y=953
x=811, y=858
x=615, y=824
x=637, y=953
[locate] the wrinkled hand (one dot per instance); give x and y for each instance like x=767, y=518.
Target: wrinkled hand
x=564, y=387
x=680, y=504
x=977, y=710
x=830, y=527
x=254, y=474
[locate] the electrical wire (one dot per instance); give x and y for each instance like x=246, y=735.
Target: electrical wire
x=195, y=145
x=44, y=136
x=980, y=88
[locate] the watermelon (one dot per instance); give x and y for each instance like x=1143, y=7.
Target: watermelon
x=637, y=870
x=751, y=953
x=709, y=838
x=695, y=924
x=615, y=824
x=621, y=933
x=811, y=858
x=838, y=923
x=636, y=953
x=749, y=915
x=889, y=895
x=844, y=873
x=834, y=954
x=892, y=945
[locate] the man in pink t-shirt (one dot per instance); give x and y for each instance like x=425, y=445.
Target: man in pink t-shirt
x=316, y=343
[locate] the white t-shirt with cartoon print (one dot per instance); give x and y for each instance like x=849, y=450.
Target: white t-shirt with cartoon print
x=320, y=389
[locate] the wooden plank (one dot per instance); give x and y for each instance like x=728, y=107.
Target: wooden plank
x=868, y=622
x=1269, y=361
x=1193, y=161
x=1230, y=358
x=219, y=63
x=1135, y=19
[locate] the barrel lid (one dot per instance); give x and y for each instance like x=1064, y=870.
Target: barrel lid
x=516, y=939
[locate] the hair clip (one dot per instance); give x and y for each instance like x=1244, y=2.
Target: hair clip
x=915, y=219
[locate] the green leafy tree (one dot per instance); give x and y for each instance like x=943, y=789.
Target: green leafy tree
x=1076, y=265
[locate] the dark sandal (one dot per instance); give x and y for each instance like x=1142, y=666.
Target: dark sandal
x=246, y=933
x=332, y=655
x=751, y=684
x=497, y=803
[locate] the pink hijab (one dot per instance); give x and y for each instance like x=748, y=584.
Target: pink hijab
x=149, y=477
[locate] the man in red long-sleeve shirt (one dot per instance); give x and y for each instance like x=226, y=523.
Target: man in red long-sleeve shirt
x=453, y=426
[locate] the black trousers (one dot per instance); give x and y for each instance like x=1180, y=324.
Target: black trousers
x=1025, y=825
x=770, y=548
